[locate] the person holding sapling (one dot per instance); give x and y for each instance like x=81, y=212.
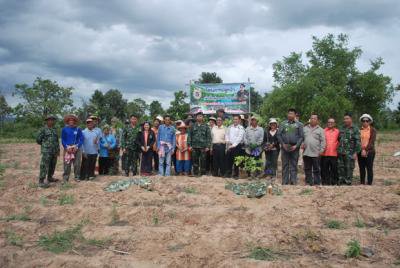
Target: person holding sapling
x=253, y=139
x=146, y=140
x=107, y=145
x=271, y=148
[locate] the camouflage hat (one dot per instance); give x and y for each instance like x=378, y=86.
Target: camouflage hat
x=50, y=117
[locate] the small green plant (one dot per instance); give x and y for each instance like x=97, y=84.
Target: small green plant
x=156, y=220
x=262, y=254
x=307, y=191
x=66, y=199
x=190, y=190
x=13, y=238
x=334, y=224
x=17, y=217
x=359, y=223
x=59, y=242
x=353, y=249
x=250, y=164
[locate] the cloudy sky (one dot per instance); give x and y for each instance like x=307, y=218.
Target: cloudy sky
x=150, y=48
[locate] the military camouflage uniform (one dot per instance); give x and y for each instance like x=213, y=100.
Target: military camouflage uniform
x=128, y=142
x=199, y=139
x=349, y=144
x=50, y=148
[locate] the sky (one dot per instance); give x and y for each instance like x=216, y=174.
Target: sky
x=150, y=48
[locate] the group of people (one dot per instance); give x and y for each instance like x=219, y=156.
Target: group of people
x=194, y=147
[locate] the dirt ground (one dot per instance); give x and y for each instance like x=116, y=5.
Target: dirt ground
x=196, y=222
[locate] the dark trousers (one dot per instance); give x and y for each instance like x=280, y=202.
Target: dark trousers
x=366, y=165
x=156, y=160
x=115, y=161
x=312, y=170
x=329, y=172
x=147, y=159
x=88, y=166
x=104, y=165
x=199, y=161
x=231, y=154
x=47, y=166
x=271, y=162
x=289, y=166
x=131, y=160
x=218, y=154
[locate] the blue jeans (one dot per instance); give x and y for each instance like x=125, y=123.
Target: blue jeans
x=183, y=166
x=167, y=160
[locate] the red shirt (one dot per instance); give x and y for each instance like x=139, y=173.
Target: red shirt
x=332, y=143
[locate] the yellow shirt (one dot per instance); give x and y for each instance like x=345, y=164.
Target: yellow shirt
x=365, y=136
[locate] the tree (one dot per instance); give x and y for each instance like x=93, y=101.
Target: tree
x=329, y=83
x=107, y=105
x=137, y=107
x=209, y=78
x=179, y=107
x=156, y=109
x=256, y=100
x=43, y=98
x=5, y=110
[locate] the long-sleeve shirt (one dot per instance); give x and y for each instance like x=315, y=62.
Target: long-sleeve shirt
x=332, y=142
x=199, y=136
x=166, y=134
x=291, y=132
x=106, y=143
x=71, y=136
x=314, y=141
x=253, y=138
x=349, y=141
x=90, y=136
x=218, y=134
x=48, y=139
x=235, y=135
x=271, y=142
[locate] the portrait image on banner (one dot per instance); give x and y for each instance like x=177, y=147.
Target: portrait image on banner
x=234, y=98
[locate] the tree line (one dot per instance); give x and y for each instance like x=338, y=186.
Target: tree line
x=325, y=80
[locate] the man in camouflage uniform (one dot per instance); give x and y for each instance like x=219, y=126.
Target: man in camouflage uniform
x=130, y=147
x=349, y=146
x=50, y=150
x=199, y=140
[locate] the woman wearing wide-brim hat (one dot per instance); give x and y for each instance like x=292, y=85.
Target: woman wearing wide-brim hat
x=367, y=155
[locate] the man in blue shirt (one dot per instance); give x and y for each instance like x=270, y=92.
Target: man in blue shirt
x=166, y=142
x=72, y=140
x=91, y=139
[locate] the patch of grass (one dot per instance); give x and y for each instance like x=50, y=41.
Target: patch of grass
x=33, y=185
x=335, y=224
x=353, y=249
x=307, y=191
x=2, y=171
x=156, y=220
x=388, y=182
x=190, y=190
x=66, y=186
x=359, y=223
x=97, y=242
x=262, y=254
x=66, y=199
x=17, y=217
x=13, y=238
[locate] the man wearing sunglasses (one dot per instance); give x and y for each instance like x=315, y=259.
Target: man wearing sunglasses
x=349, y=147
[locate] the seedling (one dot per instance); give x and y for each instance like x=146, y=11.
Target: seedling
x=250, y=164
x=353, y=249
x=334, y=224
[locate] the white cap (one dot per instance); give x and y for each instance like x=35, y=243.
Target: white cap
x=366, y=116
x=159, y=117
x=272, y=121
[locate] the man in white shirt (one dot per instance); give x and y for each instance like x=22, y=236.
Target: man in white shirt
x=234, y=142
x=218, y=148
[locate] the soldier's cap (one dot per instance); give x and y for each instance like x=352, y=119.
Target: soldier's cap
x=50, y=117
x=272, y=121
x=69, y=117
x=212, y=118
x=366, y=116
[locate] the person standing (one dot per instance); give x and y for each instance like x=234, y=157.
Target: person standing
x=234, y=142
x=146, y=140
x=199, y=140
x=116, y=131
x=156, y=124
x=290, y=136
x=349, y=147
x=367, y=155
x=313, y=146
x=218, y=148
x=72, y=141
x=129, y=146
x=108, y=142
x=329, y=174
x=183, y=162
x=253, y=139
x=47, y=138
x=166, y=142
x=90, y=150
x=271, y=148
x=212, y=122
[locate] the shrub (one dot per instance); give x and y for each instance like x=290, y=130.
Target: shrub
x=353, y=249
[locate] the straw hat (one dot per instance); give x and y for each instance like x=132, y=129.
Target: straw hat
x=69, y=117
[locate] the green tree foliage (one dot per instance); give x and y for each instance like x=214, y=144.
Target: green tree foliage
x=43, y=98
x=209, y=78
x=5, y=109
x=256, y=101
x=137, y=107
x=179, y=107
x=156, y=109
x=106, y=105
x=329, y=83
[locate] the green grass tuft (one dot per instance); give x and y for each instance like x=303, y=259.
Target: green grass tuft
x=66, y=199
x=262, y=254
x=307, y=191
x=13, y=238
x=17, y=217
x=59, y=242
x=334, y=224
x=359, y=223
x=190, y=190
x=353, y=249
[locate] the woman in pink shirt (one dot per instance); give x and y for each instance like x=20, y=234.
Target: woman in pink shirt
x=329, y=174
